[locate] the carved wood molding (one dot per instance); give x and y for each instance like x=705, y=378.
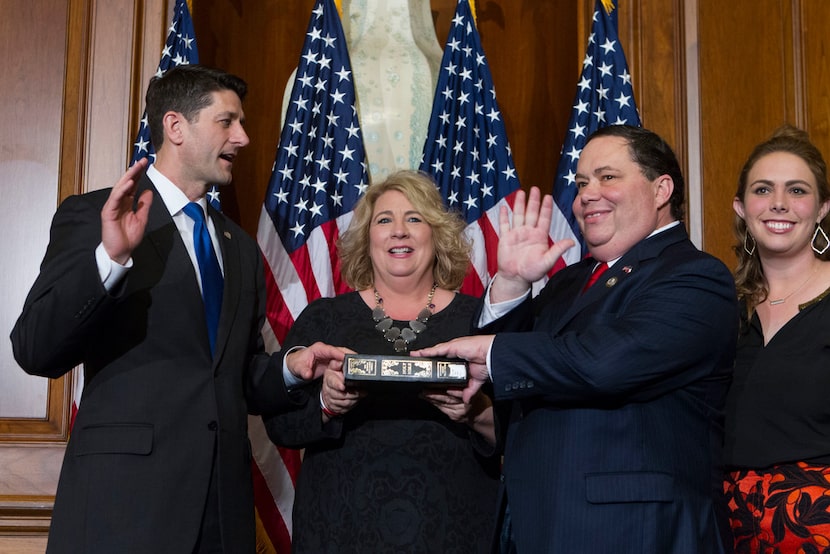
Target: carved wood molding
x=55, y=427
x=27, y=488
x=25, y=515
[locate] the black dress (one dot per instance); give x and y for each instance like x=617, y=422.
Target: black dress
x=777, y=439
x=394, y=474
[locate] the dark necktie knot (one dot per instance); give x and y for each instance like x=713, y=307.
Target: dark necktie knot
x=209, y=270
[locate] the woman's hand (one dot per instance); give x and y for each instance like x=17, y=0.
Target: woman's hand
x=477, y=412
x=336, y=398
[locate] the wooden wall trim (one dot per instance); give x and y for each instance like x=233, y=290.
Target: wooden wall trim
x=27, y=487
x=799, y=72
x=73, y=132
x=148, y=41
x=56, y=425
x=71, y=170
x=25, y=515
x=95, y=80
x=694, y=173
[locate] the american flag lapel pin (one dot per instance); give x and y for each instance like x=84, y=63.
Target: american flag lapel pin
x=614, y=280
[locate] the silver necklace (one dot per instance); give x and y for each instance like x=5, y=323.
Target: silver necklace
x=801, y=286
x=402, y=337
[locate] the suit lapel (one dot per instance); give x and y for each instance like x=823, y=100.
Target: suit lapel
x=161, y=256
x=622, y=271
x=233, y=273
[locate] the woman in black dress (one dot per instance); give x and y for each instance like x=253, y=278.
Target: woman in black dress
x=392, y=470
x=777, y=411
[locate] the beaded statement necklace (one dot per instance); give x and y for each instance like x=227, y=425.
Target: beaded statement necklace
x=402, y=337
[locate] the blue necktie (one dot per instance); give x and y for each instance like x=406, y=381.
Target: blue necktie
x=212, y=281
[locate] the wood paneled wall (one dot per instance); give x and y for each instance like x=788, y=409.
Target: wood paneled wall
x=761, y=64
x=712, y=77
x=72, y=76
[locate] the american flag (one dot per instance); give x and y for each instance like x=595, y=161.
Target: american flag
x=318, y=175
x=179, y=49
x=466, y=150
x=604, y=96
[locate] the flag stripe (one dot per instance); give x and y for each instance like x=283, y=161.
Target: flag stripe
x=271, y=478
x=466, y=150
x=302, y=263
x=278, y=314
x=491, y=237
x=291, y=297
x=318, y=174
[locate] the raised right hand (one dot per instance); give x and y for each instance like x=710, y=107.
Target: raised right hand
x=525, y=254
x=122, y=228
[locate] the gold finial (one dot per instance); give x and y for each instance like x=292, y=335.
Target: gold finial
x=608, y=5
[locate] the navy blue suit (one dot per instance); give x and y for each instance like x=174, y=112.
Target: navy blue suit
x=615, y=431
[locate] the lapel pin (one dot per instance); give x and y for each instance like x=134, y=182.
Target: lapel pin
x=227, y=234
x=611, y=282
x=627, y=269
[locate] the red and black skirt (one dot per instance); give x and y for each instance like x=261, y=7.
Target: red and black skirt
x=780, y=510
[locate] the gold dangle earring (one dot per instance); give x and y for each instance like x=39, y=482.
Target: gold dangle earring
x=824, y=237
x=747, y=248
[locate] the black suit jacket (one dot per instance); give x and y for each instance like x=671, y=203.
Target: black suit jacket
x=614, y=441
x=157, y=411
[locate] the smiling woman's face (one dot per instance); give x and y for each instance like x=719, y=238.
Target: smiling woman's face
x=780, y=205
x=400, y=241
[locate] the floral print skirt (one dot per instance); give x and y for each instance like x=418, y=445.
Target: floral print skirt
x=781, y=510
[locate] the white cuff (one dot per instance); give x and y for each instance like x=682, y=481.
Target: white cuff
x=290, y=379
x=110, y=271
x=491, y=312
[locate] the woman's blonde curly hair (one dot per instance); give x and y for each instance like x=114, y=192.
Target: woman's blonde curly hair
x=452, y=249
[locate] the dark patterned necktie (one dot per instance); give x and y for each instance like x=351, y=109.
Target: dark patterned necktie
x=212, y=281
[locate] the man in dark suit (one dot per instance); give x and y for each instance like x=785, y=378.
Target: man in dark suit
x=617, y=389
x=159, y=459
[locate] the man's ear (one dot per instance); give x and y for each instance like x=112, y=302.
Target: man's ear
x=664, y=187
x=173, y=123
